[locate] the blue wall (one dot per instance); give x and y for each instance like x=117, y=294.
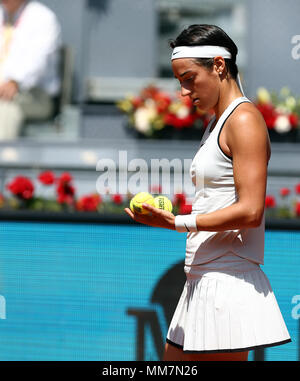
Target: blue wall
x=76, y=291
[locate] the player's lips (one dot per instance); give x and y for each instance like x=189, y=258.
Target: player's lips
x=196, y=101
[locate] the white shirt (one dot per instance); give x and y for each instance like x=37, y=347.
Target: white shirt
x=212, y=173
x=33, y=56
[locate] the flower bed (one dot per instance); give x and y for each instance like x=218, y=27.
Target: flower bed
x=288, y=205
x=157, y=114
x=281, y=112
x=23, y=197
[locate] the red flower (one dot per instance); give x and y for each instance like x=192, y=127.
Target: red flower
x=170, y=119
x=270, y=202
x=65, y=177
x=268, y=112
x=173, y=120
x=293, y=118
x=117, y=199
x=149, y=92
x=284, y=192
x=297, y=188
x=65, y=190
x=297, y=209
x=162, y=101
x=185, y=209
x=47, y=177
x=188, y=121
x=89, y=203
x=21, y=187
x=65, y=194
x=179, y=199
x=137, y=102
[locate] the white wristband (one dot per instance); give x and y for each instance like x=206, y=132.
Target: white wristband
x=186, y=223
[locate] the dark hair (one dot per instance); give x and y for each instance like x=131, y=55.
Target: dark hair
x=203, y=34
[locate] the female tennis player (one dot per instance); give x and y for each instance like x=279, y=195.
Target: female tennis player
x=227, y=306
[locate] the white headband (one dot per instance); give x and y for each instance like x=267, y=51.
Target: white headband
x=203, y=51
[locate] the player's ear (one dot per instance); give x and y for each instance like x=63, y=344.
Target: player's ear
x=219, y=65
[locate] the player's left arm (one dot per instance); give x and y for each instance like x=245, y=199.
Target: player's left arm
x=248, y=140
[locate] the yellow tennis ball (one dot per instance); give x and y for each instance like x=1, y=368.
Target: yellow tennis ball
x=138, y=200
x=162, y=202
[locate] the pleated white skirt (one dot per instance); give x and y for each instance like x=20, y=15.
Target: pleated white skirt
x=227, y=305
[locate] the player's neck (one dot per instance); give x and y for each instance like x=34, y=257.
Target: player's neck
x=228, y=93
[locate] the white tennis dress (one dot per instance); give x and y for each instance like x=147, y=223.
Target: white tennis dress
x=227, y=303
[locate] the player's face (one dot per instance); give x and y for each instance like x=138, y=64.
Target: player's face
x=197, y=82
x=12, y=6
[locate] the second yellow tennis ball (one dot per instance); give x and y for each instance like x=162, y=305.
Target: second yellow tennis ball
x=162, y=202
x=138, y=200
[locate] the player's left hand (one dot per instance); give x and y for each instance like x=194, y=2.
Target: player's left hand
x=157, y=217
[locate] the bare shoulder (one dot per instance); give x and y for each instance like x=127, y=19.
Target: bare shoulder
x=247, y=117
x=247, y=127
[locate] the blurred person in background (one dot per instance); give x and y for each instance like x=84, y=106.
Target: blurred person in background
x=29, y=55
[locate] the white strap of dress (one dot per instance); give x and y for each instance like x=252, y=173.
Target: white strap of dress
x=223, y=117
